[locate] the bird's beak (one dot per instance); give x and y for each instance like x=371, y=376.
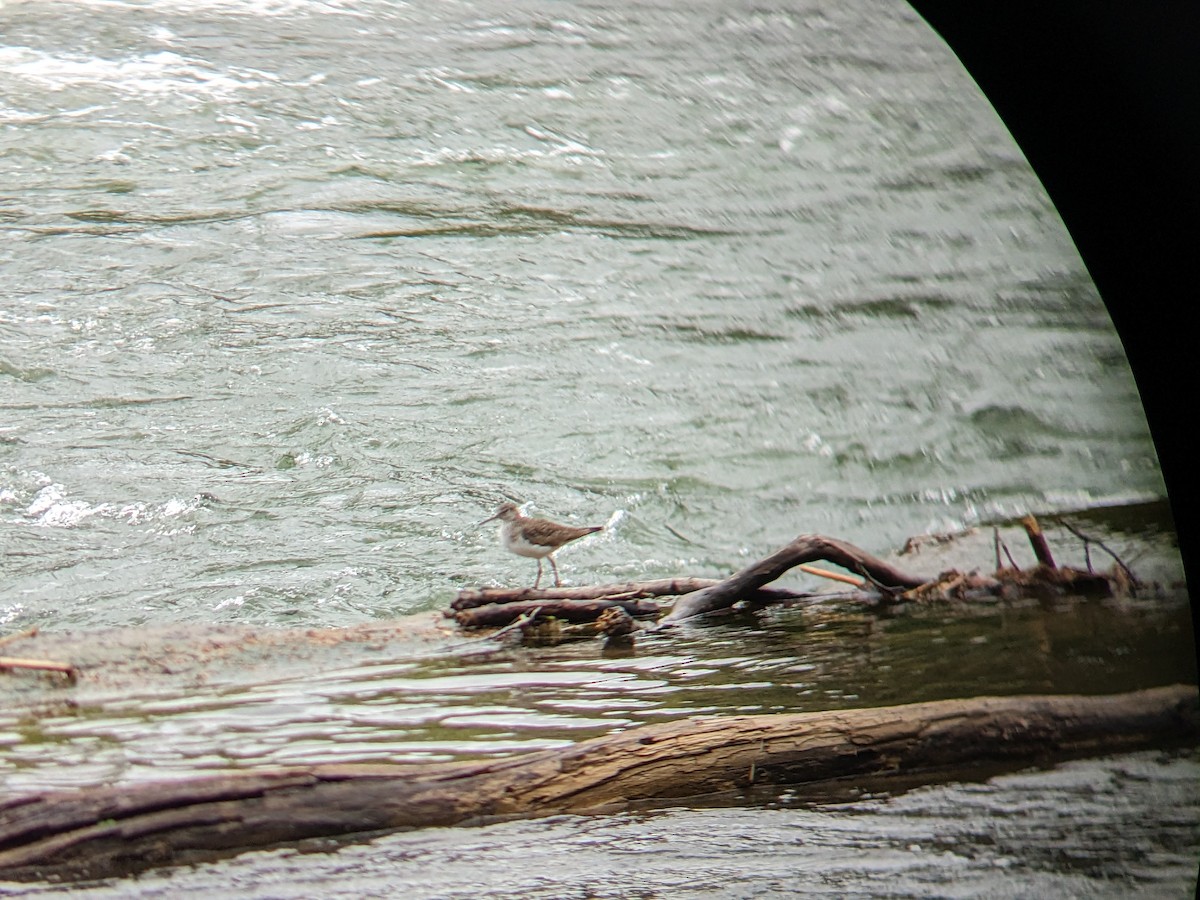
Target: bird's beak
x=488, y=519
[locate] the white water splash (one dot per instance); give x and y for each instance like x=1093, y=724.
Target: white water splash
x=163, y=73
x=51, y=508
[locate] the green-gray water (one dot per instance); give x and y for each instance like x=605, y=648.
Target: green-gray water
x=296, y=292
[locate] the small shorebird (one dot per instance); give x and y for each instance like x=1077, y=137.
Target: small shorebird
x=536, y=538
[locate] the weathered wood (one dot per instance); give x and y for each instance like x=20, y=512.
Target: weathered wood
x=1037, y=540
x=115, y=831
x=18, y=636
x=1045, y=582
x=804, y=549
x=44, y=665
x=495, y=614
x=882, y=582
x=832, y=576
x=631, y=590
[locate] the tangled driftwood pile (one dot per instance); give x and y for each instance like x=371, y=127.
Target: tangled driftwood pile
x=874, y=581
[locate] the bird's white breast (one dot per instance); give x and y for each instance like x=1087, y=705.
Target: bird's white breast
x=515, y=542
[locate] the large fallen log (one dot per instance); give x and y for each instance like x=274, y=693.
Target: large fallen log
x=119, y=830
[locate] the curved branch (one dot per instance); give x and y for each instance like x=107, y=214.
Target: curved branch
x=804, y=549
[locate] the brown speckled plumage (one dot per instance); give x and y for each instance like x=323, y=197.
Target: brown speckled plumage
x=536, y=538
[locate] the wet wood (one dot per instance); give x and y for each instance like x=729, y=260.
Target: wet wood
x=880, y=583
x=19, y=636
x=1037, y=540
x=116, y=831
x=497, y=614
x=43, y=665
x=806, y=548
x=616, y=623
x=630, y=590
x=832, y=576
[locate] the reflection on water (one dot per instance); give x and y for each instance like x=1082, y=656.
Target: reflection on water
x=1100, y=827
x=512, y=698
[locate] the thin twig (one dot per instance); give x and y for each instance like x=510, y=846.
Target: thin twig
x=518, y=624
x=627, y=595
x=833, y=576
x=1037, y=540
x=20, y=635
x=682, y=537
x=45, y=665
x=1012, y=562
x=1091, y=540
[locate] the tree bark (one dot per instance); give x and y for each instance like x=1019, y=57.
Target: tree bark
x=631, y=590
x=1037, y=540
x=116, y=831
x=662, y=587
x=804, y=549
x=496, y=614
x=883, y=583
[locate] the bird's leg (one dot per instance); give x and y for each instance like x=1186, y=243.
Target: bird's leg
x=554, y=566
x=538, y=580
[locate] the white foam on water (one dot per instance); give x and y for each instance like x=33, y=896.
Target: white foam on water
x=161, y=73
x=50, y=508
x=251, y=8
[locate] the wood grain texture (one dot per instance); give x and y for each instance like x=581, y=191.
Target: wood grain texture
x=116, y=831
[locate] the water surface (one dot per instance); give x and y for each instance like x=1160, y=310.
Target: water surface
x=295, y=293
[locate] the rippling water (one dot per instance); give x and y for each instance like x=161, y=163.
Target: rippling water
x=296, y=292
x=1015, y=836
x=484, y=699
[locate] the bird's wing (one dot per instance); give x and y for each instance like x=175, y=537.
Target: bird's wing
x=551, y=534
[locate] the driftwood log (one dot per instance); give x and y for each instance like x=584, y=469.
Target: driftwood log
x=630, y=590
x=42, y=665
x=115, y=831
x=880, y=583
x=495, y=614
x=804, y=549
x=500, y=606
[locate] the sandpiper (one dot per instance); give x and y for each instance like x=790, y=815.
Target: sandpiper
x=536, y=538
